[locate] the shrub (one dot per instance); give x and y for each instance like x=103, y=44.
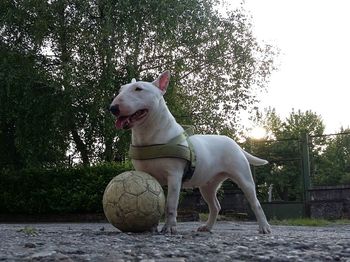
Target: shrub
x=59, y=190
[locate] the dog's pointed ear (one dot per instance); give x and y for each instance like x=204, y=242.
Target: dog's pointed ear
x=133, y=80
x=162, y=81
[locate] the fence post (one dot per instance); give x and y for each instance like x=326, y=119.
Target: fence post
x=304, y=139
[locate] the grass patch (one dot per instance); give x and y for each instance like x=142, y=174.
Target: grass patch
x=342, y=222
x=227, y=217
x=29, y=231
x=309, y=222
x=203, y=217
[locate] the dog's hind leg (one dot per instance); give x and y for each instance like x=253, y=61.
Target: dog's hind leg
x=246, y=183
x=208, y=192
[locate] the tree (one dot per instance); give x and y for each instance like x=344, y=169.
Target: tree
x=30, y=127
x=31, y=131
x=283, y=151
x=297, y=123
x=93, y=47
x=332, y=167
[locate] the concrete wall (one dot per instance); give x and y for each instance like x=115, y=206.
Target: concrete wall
x=330, y=202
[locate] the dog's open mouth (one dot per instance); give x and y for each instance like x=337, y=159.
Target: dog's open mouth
x=126, y=122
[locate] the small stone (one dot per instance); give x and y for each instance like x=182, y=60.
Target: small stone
x=337, y=248
x=29, y=245
x=215, y=250
x=292, y=258
x=174, y=259
x=231, y=252
x=263, y=258
x=43, y=254
x=242, y=248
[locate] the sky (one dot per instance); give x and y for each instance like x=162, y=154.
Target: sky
x=314, y=62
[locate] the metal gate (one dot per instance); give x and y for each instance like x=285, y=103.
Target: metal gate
x=282, y=185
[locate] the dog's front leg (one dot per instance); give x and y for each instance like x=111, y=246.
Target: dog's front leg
x=174, y=186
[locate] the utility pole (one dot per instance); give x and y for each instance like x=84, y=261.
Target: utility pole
x=304, y=139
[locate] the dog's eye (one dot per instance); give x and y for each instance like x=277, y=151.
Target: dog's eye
x=138, y=88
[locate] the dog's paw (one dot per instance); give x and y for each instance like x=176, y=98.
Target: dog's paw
x=204, y=228
x=168, y=229
x=265, y=229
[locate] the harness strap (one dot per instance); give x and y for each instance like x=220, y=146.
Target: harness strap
x=159, y=151
x=172, y=149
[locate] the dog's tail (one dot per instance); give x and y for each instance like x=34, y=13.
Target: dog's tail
x=253, y=160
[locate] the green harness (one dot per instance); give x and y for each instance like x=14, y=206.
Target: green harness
x=172, y=149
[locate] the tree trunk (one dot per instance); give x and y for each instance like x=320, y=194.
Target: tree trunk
x=9, y=155
x=81, y=147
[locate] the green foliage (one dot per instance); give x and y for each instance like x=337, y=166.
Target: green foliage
x=56, y=190
x=332, y=167
x=329, y=155
x=310, y=222
x=30, y=128
x=283, y=152
x=29, y=231
x=91, y=48
x=297, y=123
x=302, y=222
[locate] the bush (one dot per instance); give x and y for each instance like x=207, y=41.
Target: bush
x=345, y=179
x=52, y=191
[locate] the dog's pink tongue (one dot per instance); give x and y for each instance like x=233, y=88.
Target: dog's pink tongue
x=121, y=122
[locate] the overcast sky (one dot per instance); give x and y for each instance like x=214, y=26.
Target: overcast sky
x=314, y=70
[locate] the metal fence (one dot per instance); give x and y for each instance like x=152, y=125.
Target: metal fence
x=330, y=159
x=285, y=187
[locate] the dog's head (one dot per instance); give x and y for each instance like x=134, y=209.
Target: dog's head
x=137, y=100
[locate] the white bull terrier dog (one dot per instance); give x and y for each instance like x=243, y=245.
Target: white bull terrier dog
x=140, y=106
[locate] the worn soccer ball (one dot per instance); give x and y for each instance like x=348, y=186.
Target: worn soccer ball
x=134, y=202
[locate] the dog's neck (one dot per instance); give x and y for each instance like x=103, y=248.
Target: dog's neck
x=159, y=127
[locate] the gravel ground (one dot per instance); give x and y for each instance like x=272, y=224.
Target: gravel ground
x=229, y=241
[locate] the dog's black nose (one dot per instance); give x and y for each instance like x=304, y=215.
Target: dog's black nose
x=114, y=109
